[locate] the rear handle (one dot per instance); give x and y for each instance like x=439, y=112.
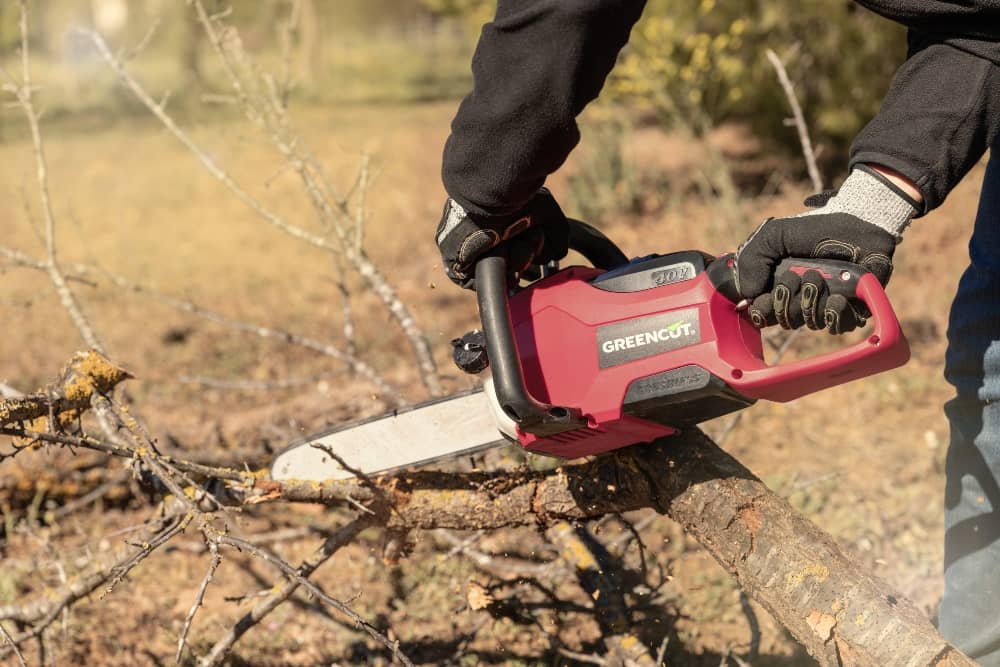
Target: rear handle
x=884, y=349
x=840, y=277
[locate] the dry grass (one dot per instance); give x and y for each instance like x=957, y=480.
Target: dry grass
x=864, y=461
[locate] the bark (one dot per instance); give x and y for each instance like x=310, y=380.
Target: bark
x=87, y=374
x=836, y=610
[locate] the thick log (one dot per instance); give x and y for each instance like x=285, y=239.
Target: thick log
x=836, y=610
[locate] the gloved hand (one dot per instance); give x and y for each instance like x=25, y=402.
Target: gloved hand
x=536, y=234
x=861, y=223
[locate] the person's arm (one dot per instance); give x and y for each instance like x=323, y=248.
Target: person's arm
x=939, y=117
x=978, y=19
x=537, y=65
x=941, y=114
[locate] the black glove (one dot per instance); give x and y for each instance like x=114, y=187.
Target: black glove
x=536, y=234
x=862, y=223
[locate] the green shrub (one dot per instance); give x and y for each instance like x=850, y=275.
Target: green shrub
x=702, y=63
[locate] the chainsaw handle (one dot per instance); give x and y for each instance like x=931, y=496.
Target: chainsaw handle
x=840, y=277
x=530, y=415
x=598, y=249
x=884, y=349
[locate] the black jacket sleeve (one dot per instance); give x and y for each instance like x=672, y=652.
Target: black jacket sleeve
x=969, y=18
x=940, y=115
x=537, y=65
x=541, y=61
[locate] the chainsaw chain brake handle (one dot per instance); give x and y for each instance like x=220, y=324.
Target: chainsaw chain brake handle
x=531, y=416
x=884, y=349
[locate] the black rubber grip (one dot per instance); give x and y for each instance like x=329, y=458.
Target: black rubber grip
x=597, y=248
x=508, y=377
x=841, y=277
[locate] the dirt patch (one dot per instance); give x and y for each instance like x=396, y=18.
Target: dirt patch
x=873, y=481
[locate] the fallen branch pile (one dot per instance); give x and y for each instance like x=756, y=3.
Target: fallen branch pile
x=838, y=612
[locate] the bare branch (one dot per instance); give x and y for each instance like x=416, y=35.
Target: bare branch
x=364, y=266
x=354, y=363
x=87, y=374
x=800, y=120
x=46, y=608
x=23, y=93
x=253, y=385
x=298, y=576
x=200, y=597
x=10, y=640
x=357, y=365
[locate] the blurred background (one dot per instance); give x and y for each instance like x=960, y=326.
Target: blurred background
x=223, y=315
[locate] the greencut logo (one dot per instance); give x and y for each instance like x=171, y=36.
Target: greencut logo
x=645, y=336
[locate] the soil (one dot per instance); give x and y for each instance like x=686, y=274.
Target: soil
x=864, y=461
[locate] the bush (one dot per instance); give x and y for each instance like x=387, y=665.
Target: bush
x=702, y=63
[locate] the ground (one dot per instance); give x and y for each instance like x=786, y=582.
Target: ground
x=864, y=461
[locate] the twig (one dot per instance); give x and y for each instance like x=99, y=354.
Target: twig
x=357, y=365
x=146, y=549
x=88, y=498
x=359, y=216
x=200, y=597
x=582, y=657
x=269, y=113
x=43, y=610
x=23, y=93
x=10, y=640
x=90, y=442
x=662, y=651
x=499, y=565
x=346, y=308
x=254, y=385
x=800, y=120
x=143, y=43
x=364, y=266
x=18, y=258
x=297, y=577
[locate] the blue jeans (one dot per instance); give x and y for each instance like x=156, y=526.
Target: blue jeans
x=970, y=610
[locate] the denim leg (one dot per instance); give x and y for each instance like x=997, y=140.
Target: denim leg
x=970, y=610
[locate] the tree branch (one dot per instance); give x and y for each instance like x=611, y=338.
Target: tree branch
x=799, y=119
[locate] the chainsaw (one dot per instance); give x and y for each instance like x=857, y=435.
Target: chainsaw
x=589, y=359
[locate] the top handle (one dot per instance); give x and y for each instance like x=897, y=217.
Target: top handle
x=598, y=249
x=884, y=349
x=532, y=416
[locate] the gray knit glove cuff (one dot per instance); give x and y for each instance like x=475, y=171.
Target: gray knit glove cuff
x=869, y=196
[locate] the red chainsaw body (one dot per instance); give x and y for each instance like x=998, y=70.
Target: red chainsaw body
x=641, y=364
